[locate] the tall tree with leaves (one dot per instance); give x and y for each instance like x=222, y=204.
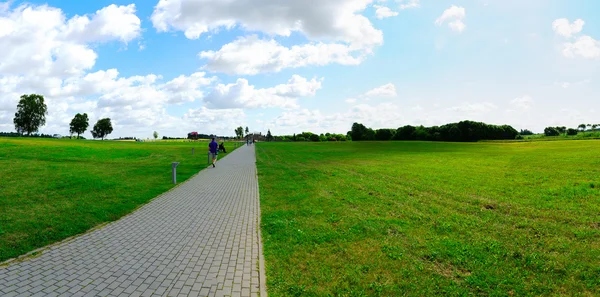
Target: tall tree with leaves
x=155, y=134
x=239, y=132
x=247, y=131
x=31, y=114
x=269, y=135
x=102, y=128
x=79, y=124
x=582, y=127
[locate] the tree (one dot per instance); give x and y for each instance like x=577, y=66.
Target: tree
x=79, y=124
x=247, y=131
x=526, y=132
x=582, y=127
x=239, y=132
x=384, y=134
x=102, y=128
x=155, y=134
x=269, y=135
x=594, y=126
x=551, y=131
x=405, y=133
x=561, y=130
x=572, y=131
x=31, y=114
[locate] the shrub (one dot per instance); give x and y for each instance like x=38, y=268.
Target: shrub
x=551, y=131
x=519, y=137
x=526, y=132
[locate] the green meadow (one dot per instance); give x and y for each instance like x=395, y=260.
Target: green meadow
x=52, y=189
x=426, y=218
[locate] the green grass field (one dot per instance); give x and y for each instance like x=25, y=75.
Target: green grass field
x=425, y=219
x=53, y=189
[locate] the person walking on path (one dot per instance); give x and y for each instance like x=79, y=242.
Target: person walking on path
x=212, y=149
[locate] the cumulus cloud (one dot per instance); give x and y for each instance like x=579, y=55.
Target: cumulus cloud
x=243, y=95
x=522, y=103
x=406, y=4
x=566, y=84
x=109, y=23
x=385, y=91
x=329, y=19
x=213, y=119
x=384, y=115
x=337, y=31
x=40, y=41
x=456, y=14
x=251, y=55
x=468, y=107
x=563, y=28
x=382, y=12
x=583, y=47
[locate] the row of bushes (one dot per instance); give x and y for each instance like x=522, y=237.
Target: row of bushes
x=309, y=136
x=556, y=131
x=465, y=131
x=15, y=134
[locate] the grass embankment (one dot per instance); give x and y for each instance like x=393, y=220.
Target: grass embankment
x=426, y=218
x=579, y=136
x=53, y=189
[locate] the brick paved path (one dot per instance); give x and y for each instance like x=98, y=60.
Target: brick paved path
x=200, y=239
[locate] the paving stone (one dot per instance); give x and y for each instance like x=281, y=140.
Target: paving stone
x=200, y=238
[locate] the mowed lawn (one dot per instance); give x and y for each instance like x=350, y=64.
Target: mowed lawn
x=425, y=219
x=53, y=189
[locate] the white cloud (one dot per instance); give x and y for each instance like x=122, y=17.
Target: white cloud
x=109, y=23
x=326, y=20
x=204, y=119
x=384, y=115
x=563, y=28
x=585, y=47
x=351, y=100
x=455, y=13
x=337, y=31
x=382, y=12
x=457, y=26
x=405, y=4
x=474, y=107
x=243, y=95
x=40, y=41
x=522, y=103
x=387, y=90
x=251, y=55
x=566, y=85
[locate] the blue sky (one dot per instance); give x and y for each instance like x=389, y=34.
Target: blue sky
x=529, y=64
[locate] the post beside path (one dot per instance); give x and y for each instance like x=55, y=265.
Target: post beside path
x=174, y=167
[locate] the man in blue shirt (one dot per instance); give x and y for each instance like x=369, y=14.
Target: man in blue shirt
x=212, y=149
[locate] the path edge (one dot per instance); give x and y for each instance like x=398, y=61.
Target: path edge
x=261, y=257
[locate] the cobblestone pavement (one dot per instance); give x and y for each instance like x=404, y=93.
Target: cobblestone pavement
x=199, y=239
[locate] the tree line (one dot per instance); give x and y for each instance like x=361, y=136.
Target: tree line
x=464, y=131
x=557, y=131
x=31, y=115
